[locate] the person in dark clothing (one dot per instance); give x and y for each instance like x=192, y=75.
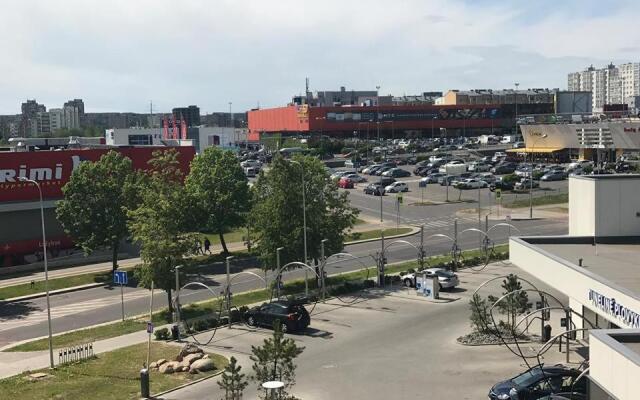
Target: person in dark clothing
x=207, y=245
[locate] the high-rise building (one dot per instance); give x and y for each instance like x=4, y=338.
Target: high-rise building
x=191, y=115
x=77, y=103
x=609, y=85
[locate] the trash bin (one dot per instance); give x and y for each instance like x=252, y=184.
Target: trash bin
x=175, y=333
x=144, y=383
x=546, y=333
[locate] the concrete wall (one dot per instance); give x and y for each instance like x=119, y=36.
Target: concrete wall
x=612, y=365
x=581, y=207
x=568, y=278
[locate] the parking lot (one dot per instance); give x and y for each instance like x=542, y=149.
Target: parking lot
x=391, y=345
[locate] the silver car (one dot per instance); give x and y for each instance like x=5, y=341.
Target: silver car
x=447, y=279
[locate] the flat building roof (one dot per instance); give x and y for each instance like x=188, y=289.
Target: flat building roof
x=617, y=263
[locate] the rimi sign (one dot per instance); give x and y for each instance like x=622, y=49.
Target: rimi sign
x=610, y=306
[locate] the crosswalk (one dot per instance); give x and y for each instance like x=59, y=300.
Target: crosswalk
x=38, y=316
x=436, y=223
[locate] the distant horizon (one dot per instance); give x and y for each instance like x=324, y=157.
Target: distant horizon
x=256, y=51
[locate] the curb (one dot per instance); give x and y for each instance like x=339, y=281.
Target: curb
x=153, y=396
x=413, y=231
x=53, y=292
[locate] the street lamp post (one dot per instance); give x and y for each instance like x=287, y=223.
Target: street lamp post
x=46, y=266
x=516, y=101
x=304, y=228
x=533, y=145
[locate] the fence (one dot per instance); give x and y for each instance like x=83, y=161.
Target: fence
x=75, y=353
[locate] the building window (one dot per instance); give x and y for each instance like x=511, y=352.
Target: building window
x=213, y=140
x=140, y=140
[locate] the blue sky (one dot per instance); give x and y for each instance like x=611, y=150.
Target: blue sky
x=119, y=54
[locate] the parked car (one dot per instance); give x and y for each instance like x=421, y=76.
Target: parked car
x=498, y=156
x=339, y=174
x=487, y=177
x=446, y=279
x=526, y=184
x=356, y=178
x=502, y=169
x=433, y=178
x=553, y=176
x=501, y=185
x=251, y=171
x=418, y=170
x=251, y=163
x=292, y=316
x=471, y=183
x=375, y=189
x=396, y=187
x=397, y=173
x=382, y=170
x=479, y=167
x=345, y=183
x=370, y=169
x=447, y=180
x=537, y=382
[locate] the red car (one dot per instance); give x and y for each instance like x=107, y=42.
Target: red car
x=345, y=183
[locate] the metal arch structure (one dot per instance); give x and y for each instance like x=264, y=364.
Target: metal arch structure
x=503, y=224
x=338, y=255
x=286, y=266
x=221, y=304
x=487, y=247
x=456, y=252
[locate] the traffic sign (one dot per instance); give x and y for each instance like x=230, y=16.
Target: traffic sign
x=149, y=327
x=498, y=193
x=120, y=277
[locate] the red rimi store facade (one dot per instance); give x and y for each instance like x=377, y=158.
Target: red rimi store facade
x=424, y=120
x=20, y=229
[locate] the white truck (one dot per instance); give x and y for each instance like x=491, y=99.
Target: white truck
x=453, y=168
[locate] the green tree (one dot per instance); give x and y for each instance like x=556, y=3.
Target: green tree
x=513, y=304
x=96, y=200
x=160, y=224
x=277, y=214
x=232, y=382
x=219, y=191
x=274, y=361
x=479, y=314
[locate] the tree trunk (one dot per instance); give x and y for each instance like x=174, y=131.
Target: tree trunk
x=223, y=243
x=114, y=256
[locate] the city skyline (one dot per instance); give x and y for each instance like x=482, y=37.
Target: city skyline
x=260, y=52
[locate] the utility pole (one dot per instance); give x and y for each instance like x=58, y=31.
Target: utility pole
x=322, y=270
x=177, y=271
x=228, y=294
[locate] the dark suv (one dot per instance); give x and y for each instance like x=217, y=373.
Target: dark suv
x=538, y=382
x=292, y=316
x=375, y=189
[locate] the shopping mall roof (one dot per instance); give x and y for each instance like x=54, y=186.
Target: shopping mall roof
x=535, y=150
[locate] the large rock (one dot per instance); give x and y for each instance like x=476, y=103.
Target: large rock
x=153, y=365
x=187, y=349
x=166, y=368
x=202, y=365
x=161, y=361
x=190, y=358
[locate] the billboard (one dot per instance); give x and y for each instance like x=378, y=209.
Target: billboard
x=52, y=169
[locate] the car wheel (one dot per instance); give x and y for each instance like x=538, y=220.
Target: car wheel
x=408, y=282
x=251, y=321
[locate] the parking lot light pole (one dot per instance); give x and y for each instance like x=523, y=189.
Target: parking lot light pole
x=177, y=272
x=278, y=274
x=533, y=145
x=228, y=294
x=323, y=260
x=46, y=267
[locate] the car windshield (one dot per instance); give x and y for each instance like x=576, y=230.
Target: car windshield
x=528, y=378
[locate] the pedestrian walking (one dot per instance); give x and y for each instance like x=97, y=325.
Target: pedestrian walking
x=207, y=245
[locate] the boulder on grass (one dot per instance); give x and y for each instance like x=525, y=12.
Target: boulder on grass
x=160, y=362
x=166, y=368
x=202, y=365
x=190, y=358
x=187, y=349
x=205, y=356
x=153, y=365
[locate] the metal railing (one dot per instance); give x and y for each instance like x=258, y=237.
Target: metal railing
x=75, y=353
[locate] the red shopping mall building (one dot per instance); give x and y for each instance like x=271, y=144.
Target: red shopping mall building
x=391, y=120
x=20, y=228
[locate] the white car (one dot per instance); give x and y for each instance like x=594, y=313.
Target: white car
x=397, y=187
x=472, y=183
x=251, y=163
x=446, y=279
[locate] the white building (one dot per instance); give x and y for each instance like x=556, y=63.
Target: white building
x=596, y=267
x=609, y=85
x=202, y=137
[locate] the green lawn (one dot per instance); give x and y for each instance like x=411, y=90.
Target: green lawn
x=540, y=201
x=84, y=336
x=374, y=234
x=109, y=376
x=213, y=306
x=235, y=236
x=54, y=284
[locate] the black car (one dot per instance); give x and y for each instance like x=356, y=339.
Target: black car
x=501, y=185
x=538, y=382
x=292, y=316
x=375, y=189
x=501, y=169
x=398, y=173
x=419, y=170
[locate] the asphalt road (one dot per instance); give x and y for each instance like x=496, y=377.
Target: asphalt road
x=27, y=319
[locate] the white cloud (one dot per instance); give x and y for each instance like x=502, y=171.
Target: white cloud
x=120, y=54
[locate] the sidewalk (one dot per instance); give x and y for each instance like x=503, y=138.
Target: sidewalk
x=548, y=211
x=14, y=363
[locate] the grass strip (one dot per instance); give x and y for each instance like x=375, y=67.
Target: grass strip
x=375, y=234
x=25, y=289
x=109, y=376
x=540, y=201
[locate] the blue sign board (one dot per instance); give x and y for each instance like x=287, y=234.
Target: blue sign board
x=149, y=327
x=120, y=277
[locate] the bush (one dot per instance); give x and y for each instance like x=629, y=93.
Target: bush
x=411, y=271
x=511, y=178
x=161, y=334
x=200, y=325
x=368, y=283
x=212, y=322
